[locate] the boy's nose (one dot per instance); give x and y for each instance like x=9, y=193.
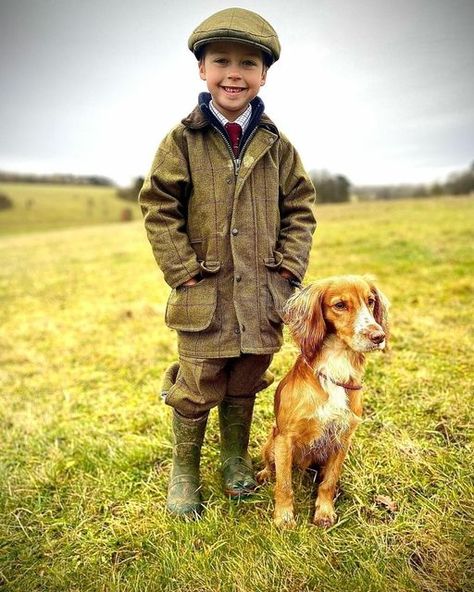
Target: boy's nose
x=234, y=73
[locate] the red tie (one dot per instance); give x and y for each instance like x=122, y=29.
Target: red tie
x=235, y=131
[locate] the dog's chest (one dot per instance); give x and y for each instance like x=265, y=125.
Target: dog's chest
x=334, y=417
x=336, y=409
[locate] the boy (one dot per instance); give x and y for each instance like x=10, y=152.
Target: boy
x=228, y=211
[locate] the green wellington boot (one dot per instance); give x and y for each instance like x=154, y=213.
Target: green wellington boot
x=184, y=490
x=235, y=417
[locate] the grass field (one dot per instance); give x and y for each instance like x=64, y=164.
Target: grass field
x=39, y=207
x=85, y=447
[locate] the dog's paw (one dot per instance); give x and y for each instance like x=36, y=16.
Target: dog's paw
x=284, y=519
x=324, y=519
x=263, y=475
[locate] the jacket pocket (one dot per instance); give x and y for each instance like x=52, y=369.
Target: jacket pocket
x=192, y=308
x=280, y=291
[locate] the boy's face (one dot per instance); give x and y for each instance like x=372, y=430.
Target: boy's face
x=234, y=73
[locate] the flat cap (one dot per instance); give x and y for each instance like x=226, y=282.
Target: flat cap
x=237, y=24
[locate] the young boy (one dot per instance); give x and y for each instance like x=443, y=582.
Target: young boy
x=229, y=214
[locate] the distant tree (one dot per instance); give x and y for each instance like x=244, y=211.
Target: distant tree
x=5, y=202
x=331, y=188
x=384, y=193
x=131, y=193
x=97, y=180
x=420, y=191
x=343, y=187
x=461, y=183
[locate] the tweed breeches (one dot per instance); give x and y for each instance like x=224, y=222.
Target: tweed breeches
x=203, y=383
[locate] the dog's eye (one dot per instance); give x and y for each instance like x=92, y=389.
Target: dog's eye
x=340, y=305
x=371, y=301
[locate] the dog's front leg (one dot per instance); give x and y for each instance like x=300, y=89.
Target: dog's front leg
x=268, y=457
x=283, y=515
x=324, y=511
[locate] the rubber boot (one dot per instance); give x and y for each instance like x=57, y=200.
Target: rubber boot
x=235, y=417
x=184, y=490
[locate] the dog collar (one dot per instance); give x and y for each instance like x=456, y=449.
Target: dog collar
x=349, y=387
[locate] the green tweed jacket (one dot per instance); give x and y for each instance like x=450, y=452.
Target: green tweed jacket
x=234, y=222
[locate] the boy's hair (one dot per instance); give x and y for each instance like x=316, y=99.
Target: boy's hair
x=237, y=24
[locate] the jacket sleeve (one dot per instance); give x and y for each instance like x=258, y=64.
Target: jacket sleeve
x=163, y=201
x=298, y=222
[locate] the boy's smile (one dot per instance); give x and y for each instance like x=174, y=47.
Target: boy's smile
x=234, y=73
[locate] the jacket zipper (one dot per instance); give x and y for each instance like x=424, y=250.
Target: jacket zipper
x=236, y=161
x=247, y=142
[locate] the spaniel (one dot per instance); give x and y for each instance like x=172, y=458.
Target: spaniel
x=318, y=404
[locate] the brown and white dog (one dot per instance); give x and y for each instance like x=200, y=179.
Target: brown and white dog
x=318, y=404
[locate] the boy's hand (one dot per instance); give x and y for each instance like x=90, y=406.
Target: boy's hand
x=286, y=274
x=294, y=281
x=191, y=282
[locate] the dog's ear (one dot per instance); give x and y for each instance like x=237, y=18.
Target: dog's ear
x=305, y=320
x=381, y=307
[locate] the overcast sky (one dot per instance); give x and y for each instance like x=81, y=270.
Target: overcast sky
x=377, y=90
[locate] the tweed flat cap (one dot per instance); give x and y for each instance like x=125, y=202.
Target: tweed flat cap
x=237, y=24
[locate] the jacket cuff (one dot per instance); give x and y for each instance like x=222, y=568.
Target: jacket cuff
x=285, y=264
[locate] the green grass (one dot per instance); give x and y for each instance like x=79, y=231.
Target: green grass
x=85, y=445
x=39, y=207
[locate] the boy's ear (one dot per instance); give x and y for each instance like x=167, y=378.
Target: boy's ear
x=202, y=69
x=264, y=76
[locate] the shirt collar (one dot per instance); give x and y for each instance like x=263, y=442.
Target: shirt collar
x=243, y=120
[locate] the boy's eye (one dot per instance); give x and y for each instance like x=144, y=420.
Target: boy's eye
x=249, y=63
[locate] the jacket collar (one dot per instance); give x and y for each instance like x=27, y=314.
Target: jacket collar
x=202, y=117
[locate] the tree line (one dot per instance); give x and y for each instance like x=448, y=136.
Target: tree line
x=457, y=183
x=55, y=179
x=330, y=188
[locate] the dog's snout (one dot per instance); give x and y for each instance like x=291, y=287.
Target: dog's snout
x=377, y=336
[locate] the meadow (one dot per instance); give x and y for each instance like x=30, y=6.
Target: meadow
x=86, y=446
x=39, y=207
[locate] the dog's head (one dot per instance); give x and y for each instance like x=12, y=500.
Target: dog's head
x=352, y=307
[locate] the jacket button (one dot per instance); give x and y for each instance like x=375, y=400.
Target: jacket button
x=229, y=181
x=236, y=330
x=235, y=231
x=238, y=278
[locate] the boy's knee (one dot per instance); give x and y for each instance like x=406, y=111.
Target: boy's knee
x=198, y=386
x=189, y=402
x=244, y=388
x=250, y=375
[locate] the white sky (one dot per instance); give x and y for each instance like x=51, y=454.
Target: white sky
x=377, y=90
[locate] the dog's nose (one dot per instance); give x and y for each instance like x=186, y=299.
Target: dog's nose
x=377, y=337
